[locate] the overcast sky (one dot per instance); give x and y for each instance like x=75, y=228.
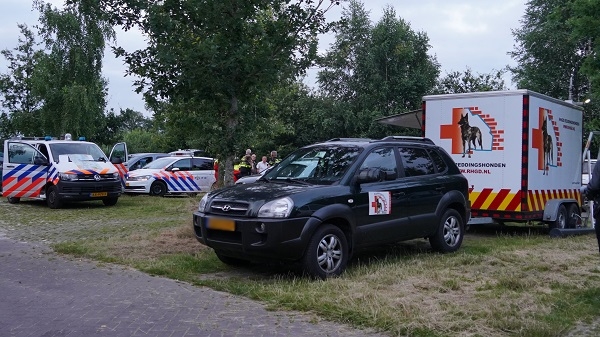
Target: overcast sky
x=462, y=33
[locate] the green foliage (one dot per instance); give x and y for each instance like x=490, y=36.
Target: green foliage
x=549, y=57
x=216, y=54
x=17, y=88
x=586, y=28
x=373, y=71
x=457, y=82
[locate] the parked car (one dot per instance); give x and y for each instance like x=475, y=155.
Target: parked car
x=586, y=171
x=139, y=160
x=172, y=175
x=252, y=178
x=188, y=152
x=326, y=201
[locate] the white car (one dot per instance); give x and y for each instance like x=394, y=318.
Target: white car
x=173, y=175
x=585, y=174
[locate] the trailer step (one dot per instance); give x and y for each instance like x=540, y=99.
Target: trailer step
x=562, y=233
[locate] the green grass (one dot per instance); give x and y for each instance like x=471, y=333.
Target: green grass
x=503, y=282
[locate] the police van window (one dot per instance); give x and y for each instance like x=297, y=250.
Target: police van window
x=199, y=164
x=416, y=162
x=383, y=159
x=183, y=164
x=43, y=150
x=20, y=153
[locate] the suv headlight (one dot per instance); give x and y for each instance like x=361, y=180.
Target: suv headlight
x=202, y=204
x=280, y=208
x=68, y=176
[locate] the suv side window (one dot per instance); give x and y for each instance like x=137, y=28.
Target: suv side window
x=416, y=161
x=439, y=162
x=383, y=159
x=199, y=164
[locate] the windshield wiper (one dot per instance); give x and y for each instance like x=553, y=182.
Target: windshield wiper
x=300, y=181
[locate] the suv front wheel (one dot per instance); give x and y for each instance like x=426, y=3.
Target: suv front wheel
x=449, y=235
x=327, y=252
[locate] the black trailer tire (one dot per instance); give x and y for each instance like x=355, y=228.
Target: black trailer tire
x=52, y=198
x=561, y=219
x=449, y=236
x=573, y=216
x=326, y=253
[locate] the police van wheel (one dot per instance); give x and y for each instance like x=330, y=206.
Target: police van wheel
x=52, y=198
x=110, y=201
x=158, y=188
x=13, y=200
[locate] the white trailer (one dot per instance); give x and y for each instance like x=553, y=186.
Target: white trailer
x=520, y=150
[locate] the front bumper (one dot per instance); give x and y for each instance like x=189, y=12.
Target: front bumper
x=138, y=186
x=87, y=190
x=281, y=239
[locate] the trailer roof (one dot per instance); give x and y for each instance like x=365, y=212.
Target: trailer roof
x=518, y=92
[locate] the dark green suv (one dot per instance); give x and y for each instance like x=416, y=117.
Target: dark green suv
x=326, y=201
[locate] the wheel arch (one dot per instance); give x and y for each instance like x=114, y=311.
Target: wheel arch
x=338, y=215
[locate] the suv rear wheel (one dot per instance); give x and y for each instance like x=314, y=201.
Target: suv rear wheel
x=449, y=235
x=327, y=252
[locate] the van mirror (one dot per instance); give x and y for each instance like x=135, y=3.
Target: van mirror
x=38, y=160
x=116, y=160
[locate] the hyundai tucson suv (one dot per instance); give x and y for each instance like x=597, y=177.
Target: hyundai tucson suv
x=327, y=201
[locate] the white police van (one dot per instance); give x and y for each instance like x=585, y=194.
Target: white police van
x=59, y=171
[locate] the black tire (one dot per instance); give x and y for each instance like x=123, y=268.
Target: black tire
x=573, y=216
x=13, y=200
x=231, y=261
x=110, y=201
x=327, y=253
x=158, y=188
x=52, y=198
x=449, y=235
x=561, y=219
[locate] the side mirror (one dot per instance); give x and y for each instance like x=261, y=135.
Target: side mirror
x=174, y=169
x=116, y=160
x=40, y=161
x=370, y=175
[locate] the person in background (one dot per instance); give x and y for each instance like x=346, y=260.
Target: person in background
x=245, y=166
x=262, y=165
x=273, y=158
x=592, y=192
x=253, y=164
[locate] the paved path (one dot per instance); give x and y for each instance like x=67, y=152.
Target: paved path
x=45, y=295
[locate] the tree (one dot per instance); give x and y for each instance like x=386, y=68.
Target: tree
x=69, y=78
x=586, y=28
x=220, y=53
x=457, y=82
x=16, y=87
x=549, y=58
x=374, y=71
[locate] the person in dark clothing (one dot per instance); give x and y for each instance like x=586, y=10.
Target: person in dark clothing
x=592, y=192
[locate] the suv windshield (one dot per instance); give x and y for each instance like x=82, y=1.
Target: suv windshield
x=77, y=148
x=318, y=164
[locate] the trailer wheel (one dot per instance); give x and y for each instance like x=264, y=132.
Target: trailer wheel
x=561, y=219
x=573, y=215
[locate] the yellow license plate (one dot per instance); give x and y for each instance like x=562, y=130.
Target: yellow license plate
x=99, y=194
x=126, y=184
x=221, y=224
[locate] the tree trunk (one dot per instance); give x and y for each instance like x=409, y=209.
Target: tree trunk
x=230, y=139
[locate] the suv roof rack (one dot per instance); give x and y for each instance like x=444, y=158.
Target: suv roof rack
x=408, y=138
x=350, y=140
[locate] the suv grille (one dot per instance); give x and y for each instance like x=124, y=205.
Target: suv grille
x=229, y=208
